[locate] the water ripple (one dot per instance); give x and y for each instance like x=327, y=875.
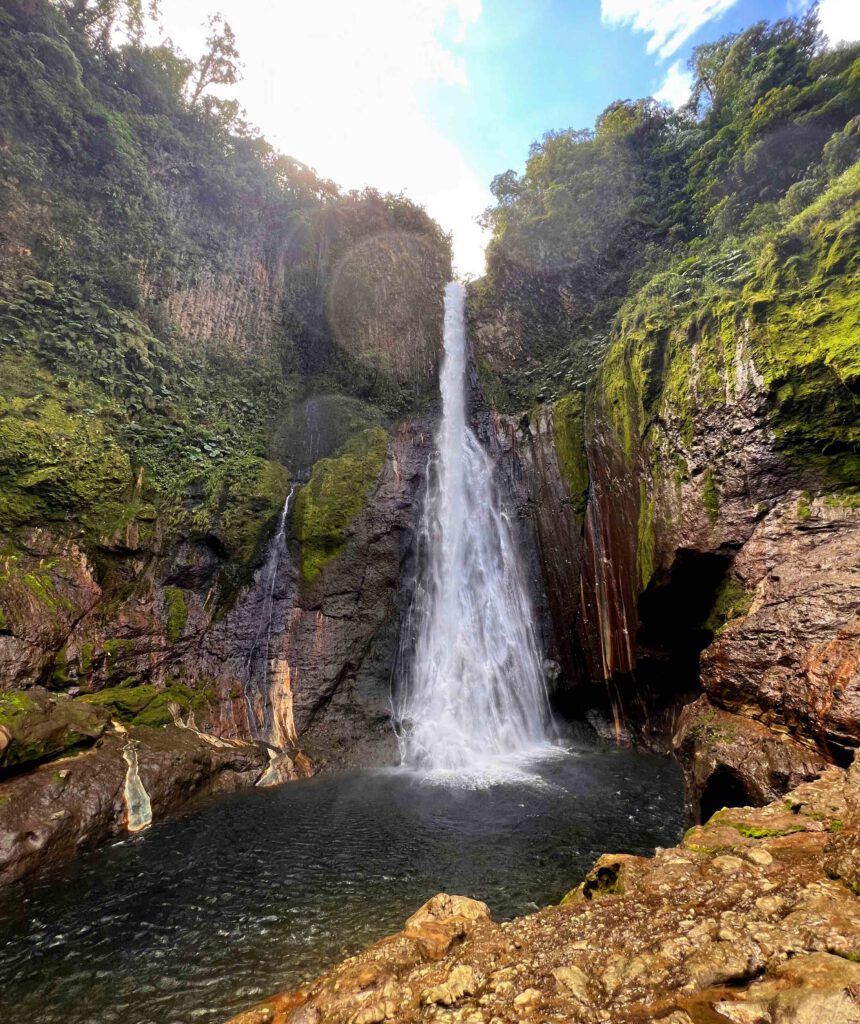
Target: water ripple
x=205, y=913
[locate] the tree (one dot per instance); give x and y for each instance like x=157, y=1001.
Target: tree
x=99, y=17
x=219, y=65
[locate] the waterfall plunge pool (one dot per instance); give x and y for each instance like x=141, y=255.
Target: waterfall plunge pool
x=208, y=912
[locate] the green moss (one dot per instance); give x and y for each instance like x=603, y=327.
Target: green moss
x=795, y=312
x=177, y=613
x=756, y=831
x=14, y=705
x=60, y=677
x=86, y=659
x=58, y=459
x=804, y=509
x=836, y=825
x=845, y=499
x=647, y=536
x=730, y=602
x=335, y=493
x=710, y=496
x=117, y=654
x=569, y=439
x=146, y=704
x=807, y=339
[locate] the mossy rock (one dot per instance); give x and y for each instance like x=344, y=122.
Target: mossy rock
x=242, y=497
x=797, y=314
x=320, y=425
x=146, y=704
x=36, y=726
x=732, y=601
x=59, y=459
x=177, y=613
x=334, y=495
x=569, y=437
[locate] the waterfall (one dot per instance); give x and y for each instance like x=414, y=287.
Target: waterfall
x=473, y=694
x=262, y=716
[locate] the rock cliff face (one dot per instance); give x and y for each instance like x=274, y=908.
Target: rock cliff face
x=696, y=512
x=227, y=334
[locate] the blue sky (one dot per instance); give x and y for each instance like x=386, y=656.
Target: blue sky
x=551, y=64
x=435, y=97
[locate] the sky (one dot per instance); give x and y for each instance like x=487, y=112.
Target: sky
x=435, y=97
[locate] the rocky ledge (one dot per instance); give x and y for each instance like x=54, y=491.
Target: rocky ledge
x=753, y=919
x=120, y=784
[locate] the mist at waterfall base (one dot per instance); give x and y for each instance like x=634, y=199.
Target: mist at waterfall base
x=471, y=703
x=204, y=914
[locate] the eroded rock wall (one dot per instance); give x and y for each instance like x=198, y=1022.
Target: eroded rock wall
x=697, y=516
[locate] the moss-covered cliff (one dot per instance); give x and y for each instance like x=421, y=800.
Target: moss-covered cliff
x=679, y=291
x=190, y=325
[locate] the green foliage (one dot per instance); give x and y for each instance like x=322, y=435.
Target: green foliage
x=774, y=119
x=88, y=397
x=98, y=17
x=142, y=194
x=333, y=496
x=59, y=461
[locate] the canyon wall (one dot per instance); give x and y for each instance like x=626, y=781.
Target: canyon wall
x=195, y=329
x=696, y=510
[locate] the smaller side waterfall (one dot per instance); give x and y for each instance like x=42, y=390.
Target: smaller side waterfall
x=474, y=694
x=258, y=665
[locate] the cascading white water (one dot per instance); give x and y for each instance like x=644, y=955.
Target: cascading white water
x=474, y=693
x=258, y=666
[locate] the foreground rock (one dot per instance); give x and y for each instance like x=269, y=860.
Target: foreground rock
x=753, y=919
x=128, y=779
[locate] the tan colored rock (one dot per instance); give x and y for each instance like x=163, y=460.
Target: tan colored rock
x=460, y=982
x=529, y=999
x=759, y=857
x=574, y=981
x=442, y=907
x=728, y=864
x=814, y=989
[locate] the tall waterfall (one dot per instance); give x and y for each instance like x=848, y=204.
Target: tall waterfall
x=474, y=693
x=262, y=714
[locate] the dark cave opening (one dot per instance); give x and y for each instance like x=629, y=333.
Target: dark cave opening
x=673, y=612
x=724, y=788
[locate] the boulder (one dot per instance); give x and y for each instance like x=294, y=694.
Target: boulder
x=36, y=726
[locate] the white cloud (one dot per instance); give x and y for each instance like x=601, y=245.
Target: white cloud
x=338, y=85
x=840, y=20
x=676, y=86
x=669, y=23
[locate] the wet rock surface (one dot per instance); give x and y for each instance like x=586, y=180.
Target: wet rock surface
x=53, y=812
x=754, y=918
